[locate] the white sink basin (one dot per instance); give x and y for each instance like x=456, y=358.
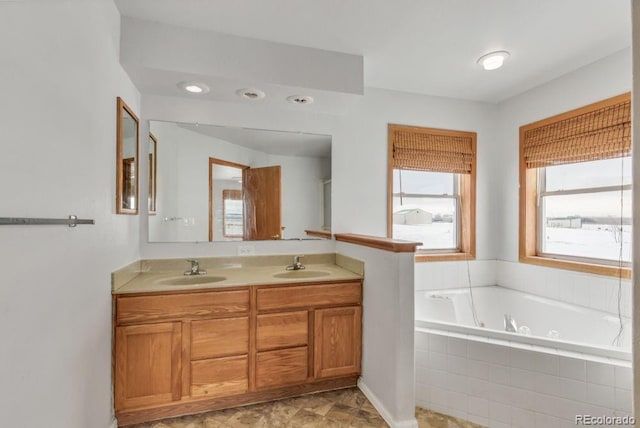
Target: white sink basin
x=301, y=274
x=191, y=280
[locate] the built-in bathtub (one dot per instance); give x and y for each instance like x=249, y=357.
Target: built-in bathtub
x=476, y=370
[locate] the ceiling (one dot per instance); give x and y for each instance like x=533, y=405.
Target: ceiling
x=423, y=46
x=267, y=141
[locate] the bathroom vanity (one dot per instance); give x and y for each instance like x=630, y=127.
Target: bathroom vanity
x=242, y=333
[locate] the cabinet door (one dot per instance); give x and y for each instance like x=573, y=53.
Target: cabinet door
x=148, y=365
x=337, y=341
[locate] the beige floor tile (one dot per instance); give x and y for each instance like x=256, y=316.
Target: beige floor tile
x=354, y=398
x=368, y=407
x=305, y=419
x=347, y=408
x=247, y=418
x=341, y=413
x=365, y=419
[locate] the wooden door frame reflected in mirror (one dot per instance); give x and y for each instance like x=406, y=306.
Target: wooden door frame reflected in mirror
x=153, y=175
x=123, y=108
x=212, y=162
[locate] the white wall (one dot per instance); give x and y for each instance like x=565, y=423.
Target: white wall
x=59, y=78
x=387, y=332
x=301, y=192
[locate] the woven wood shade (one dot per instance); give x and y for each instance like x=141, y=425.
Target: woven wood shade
x=425, y=149
x=599, y=133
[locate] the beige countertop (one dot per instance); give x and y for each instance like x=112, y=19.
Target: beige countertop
x=156, y=276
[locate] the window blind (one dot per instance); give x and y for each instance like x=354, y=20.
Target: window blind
x=598, y=131
x=428, y=149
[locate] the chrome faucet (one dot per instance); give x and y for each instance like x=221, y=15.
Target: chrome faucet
x=297, y=265
x=510, y=324
x=195, y=268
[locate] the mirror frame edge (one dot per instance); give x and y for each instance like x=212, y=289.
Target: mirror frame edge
x=121, y=107
x=154, y=197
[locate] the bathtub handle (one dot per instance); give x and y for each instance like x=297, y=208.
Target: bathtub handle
x=510, y=324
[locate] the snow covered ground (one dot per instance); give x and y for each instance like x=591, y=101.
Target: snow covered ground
x=598, y=241
x=592, y=240
x=438, y=235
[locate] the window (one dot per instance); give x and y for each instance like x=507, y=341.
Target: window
x=575, y=190
x=431, y=193
x=232, y=213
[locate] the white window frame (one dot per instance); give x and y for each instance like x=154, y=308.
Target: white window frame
x=458, y=220
x=540, y=218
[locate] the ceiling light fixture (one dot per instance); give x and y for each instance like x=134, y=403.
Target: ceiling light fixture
x=194, y=87
x=493, y=60
x=300, y=99
x=250, y=94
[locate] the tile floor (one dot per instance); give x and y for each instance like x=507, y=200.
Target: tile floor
x=346, y=408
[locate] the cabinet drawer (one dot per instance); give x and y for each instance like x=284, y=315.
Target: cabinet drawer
x=282, y=330
x=219, y=338
x=309, y=296
x=220, y=377
x=282, y=367
x=134, y=309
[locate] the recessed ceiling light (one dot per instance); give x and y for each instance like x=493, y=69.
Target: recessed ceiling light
x=300, y=99
x=493, y=60
x=250, y=93
x=194, y=87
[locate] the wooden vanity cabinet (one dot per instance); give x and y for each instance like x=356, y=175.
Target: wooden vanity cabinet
x=190, y=352
x=171, y=347
x=313, y=336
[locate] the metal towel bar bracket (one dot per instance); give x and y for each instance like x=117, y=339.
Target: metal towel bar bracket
x=71, y=221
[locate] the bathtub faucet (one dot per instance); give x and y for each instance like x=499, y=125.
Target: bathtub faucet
x=510, y=324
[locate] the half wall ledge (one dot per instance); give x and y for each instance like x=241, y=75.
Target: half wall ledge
x=386, y=244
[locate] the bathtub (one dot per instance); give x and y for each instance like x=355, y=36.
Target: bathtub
x=480, y=372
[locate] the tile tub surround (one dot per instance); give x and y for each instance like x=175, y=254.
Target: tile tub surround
x=501, y=384
x=346, y=408
x=454, y=274
x=593, y=291
x=238, y=271
x=583, y=289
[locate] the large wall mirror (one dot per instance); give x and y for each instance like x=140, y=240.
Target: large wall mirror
x=217, y=183
x=126, y=160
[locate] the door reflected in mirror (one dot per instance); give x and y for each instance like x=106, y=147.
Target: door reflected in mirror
x=126, y=160
x=216, y=183
x=226, y=213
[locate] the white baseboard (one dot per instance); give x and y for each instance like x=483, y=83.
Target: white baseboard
x=408, y=423
x=114, y=424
